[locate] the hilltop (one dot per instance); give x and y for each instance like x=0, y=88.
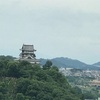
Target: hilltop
x=70, y=63
x=25, y=81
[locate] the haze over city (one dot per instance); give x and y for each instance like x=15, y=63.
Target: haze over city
x=56, y=28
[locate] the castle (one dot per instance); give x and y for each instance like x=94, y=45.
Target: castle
x=27, y=54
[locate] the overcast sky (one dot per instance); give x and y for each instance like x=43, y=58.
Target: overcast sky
x=56, y=28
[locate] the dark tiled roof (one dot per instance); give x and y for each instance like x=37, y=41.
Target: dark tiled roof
x=28, y=47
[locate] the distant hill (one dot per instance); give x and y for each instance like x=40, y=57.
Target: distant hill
x=70, y=63
x=97, y=64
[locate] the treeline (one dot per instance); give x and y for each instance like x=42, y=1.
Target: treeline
x=25, y=81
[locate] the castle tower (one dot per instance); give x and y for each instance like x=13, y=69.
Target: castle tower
x=27, y=54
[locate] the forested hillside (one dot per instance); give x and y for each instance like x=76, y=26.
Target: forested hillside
x=24, y=81
x=70, y=63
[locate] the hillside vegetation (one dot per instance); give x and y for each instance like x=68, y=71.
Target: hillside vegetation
x=24, y=81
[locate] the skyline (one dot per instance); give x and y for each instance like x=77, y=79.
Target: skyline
x=56, y=28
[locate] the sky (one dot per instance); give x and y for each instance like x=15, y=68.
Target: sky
x=56, y=28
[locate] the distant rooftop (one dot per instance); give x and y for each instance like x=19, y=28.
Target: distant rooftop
x=28, y=47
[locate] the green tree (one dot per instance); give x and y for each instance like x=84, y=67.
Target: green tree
x=13, y=69
x=47, y=65
x=22, y=85
x=2, y=96
x=20, y=96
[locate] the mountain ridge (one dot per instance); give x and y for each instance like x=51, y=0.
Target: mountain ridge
x=96, y=64
x=69, y=63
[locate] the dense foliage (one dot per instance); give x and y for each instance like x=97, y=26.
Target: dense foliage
x=24, y=81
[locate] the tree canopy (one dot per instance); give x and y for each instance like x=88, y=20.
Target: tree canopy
x=25, y=81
